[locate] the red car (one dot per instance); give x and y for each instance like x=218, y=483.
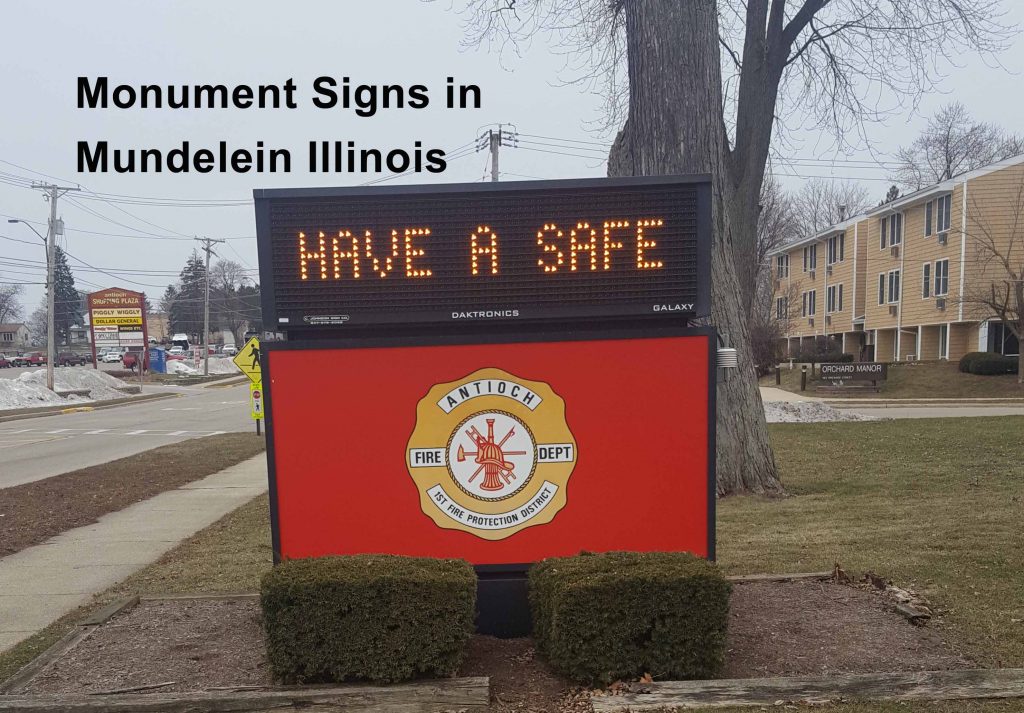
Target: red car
x=5, y=363
x=33, y=359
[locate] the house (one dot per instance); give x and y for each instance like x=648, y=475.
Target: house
x=906, y=280
x=14, y=337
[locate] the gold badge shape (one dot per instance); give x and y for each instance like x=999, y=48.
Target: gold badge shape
x=491, y=454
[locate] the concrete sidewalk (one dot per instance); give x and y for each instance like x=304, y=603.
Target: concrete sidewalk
x=40, y=584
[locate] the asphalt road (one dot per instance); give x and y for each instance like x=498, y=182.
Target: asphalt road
x=36, y=448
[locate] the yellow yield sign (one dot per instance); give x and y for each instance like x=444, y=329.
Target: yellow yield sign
x=248, y=360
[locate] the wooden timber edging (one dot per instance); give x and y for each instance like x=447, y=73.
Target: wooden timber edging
x=905, y=686
x=64, y=644
x=748, y=578
x=451, y=694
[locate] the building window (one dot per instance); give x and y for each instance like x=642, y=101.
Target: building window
x=926, y=281
x=937, y=214
x=943, y=341
x=781, y=308
x=835, y=248
x=809, y=303
x=782, y=266
x=941, y=277
x=810, y=257
x=881, y=288
x=890, y=230
x=894, y=286
x=834, y=298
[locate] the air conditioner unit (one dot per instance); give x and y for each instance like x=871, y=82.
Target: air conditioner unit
x=911, y=357
x=894, y=251
x=943, y=238
x=940, y=303
x=893, y=310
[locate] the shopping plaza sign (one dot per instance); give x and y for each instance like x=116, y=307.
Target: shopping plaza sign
x=117, y=320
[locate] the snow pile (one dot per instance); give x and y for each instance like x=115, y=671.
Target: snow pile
x=223, y=366
x=187, y=368
x=17, y=393
x=808, y=412
x=177, y=366
x=29, y=390
x=101, y=386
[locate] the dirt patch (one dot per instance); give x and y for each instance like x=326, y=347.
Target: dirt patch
x=34, y=512
x=798, y=628
x=196, y=644
x=819, y=628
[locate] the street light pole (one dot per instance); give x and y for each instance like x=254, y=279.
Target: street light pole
x=53, y=192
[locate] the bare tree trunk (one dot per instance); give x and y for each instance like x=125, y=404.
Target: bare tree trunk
x=675, y=126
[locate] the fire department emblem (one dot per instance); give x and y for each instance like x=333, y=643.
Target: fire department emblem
x=491, y=454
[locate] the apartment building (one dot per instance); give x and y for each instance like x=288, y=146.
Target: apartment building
x=905, y=281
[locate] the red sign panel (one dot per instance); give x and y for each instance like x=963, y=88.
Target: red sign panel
x=495, y=453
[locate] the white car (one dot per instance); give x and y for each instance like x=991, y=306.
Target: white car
x=176, y=351
x=111, y=358
x=229, y=350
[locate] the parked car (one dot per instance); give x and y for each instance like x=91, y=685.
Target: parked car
x=111, y=357
x=176, y=351
x=33, y=359
x=229, y=350
x=5, y=363
x=71, y=359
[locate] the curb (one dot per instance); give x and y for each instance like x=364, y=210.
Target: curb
x=19, y=414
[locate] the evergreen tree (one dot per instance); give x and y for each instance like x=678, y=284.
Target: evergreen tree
x=186, y=310
x=67, y=308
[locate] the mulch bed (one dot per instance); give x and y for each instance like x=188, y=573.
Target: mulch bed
x=776, y=629
x=34, y=512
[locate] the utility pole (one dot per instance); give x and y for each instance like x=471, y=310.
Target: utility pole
x=52, y=192
x=493, y=141
x=208, y=244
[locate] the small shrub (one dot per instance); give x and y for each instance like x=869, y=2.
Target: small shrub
x=967, y=359
x=376, y=617
x=989, y=364
x=602, y=617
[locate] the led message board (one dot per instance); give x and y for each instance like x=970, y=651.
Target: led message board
x=526, y=251
x=499, y=452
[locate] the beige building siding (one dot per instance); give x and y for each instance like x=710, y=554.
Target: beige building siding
x=995, y=210
x=878, y=261
x=921, y=251
x=861, y=292
x=838, y=320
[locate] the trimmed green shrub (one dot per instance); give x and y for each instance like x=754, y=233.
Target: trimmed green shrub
x=967, y=359
x=988, y=364
x=370, y=617
x=602, y=617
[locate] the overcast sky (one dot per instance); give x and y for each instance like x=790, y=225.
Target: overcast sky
x=47, y=46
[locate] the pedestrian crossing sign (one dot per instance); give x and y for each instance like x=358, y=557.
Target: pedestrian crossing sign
x=248, y=360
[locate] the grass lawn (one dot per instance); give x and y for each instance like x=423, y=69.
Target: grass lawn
x=935, y=504
x=921, y=380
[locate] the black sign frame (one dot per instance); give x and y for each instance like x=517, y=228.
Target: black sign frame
x=645, y=312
